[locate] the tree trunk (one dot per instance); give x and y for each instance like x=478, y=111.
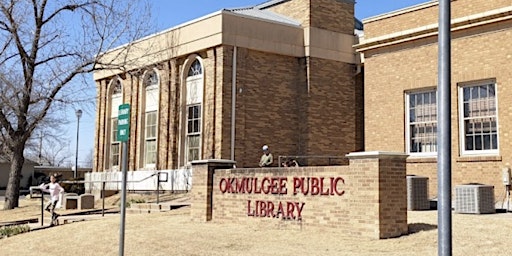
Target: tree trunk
x=12, y=194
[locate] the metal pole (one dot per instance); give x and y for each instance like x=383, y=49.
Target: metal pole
x=78, y=115
x=158, y=188
x=233, y=103
x=40, y=147
x=444, y=132
x=123, y=198
x=103, y=200
x=42, y=207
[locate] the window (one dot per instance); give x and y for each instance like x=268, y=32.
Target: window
x=194, y=100
x=478, y=119
x=114, y=146
x=116, y=101
x=150, y=142
x=421, y=119
x=150, y=107
x=151, y=79
x=193, y=132
x=195, y=69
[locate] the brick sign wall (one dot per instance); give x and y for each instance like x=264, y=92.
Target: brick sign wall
x=368, y=198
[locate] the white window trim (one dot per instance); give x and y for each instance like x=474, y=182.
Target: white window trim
x=112, y=143
x=146, y=139
x=116, y=100
x=462, y=146
x=146, y=108
x=184, y=78
x=188, y=99
x=408, y=127
x=200, y=133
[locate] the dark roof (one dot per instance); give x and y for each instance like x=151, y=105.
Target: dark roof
x=358, y=24
x=258, y=11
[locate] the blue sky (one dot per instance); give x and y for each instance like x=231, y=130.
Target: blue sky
x=170, y=13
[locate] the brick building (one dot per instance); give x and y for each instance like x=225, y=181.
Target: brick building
x=400, y=63
x=282, y=73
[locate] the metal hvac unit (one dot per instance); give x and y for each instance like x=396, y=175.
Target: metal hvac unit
x=474, y=198
x=417, y=193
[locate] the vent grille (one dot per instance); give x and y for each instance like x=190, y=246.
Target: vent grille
x=474, y=198
x=417, y=193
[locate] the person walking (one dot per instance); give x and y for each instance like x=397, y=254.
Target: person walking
x=55, y=191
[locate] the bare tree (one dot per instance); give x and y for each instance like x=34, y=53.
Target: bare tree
x=46, y=49
x=89, y=159
x=48, y=149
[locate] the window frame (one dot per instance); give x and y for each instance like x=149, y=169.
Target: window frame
x=194, y=133
x=114, y=142
x=150, y=86
x=150, y=139
x=462, y=119
x=408, y=124
x=193, y=95
x=116, y=99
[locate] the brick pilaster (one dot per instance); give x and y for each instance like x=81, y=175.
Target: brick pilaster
x=202, y=188
x=382, y=191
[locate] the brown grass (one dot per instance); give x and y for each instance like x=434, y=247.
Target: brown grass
x=172, y=233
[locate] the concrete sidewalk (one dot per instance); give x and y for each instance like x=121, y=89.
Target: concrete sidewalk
x=70, y=218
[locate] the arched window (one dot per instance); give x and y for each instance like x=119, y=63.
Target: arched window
x=194, y=111
x=150, y=108
x=116, y=100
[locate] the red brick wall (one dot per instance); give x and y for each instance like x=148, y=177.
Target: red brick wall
x=370, y=199
x=269, y=87
x=333, y=15
x=478, y=53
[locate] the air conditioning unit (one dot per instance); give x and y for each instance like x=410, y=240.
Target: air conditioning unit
x=474, y=198
x=417, y=193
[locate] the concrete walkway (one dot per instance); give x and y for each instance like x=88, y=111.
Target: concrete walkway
x=71, y=217
x=94, y=214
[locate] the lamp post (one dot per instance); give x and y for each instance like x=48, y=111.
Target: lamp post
x=78, y=115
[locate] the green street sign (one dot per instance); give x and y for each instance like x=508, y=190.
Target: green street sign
x=123, y=123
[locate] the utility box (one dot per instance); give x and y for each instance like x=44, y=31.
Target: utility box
x=417, y=193
x=474, y=198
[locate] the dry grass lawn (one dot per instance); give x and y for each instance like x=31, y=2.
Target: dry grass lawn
x=172, y=233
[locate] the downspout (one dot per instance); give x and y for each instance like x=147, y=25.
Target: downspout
x=214, y=99
x=233, y=104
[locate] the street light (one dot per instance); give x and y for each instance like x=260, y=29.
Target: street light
x=78, y=115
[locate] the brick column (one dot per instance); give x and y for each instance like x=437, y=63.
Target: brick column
x=202, y=187
x=380, y=193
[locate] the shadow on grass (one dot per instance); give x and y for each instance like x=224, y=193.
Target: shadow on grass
x=418, y=227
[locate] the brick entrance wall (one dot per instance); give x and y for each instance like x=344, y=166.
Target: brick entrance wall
x=367, y=198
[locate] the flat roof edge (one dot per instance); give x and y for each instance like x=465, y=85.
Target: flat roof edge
x=402, y=11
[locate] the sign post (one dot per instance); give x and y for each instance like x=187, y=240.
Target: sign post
x=444, y=135
x=123, y=135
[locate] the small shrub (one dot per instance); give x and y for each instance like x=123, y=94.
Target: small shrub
x=131, y=201
x=8, y=231
x=138, y=200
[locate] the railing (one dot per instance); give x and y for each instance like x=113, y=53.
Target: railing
x=38, y=189
x=282, y=159
x=173, y=180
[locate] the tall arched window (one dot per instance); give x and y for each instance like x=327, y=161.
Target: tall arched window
x=116, y=100
x=194, y=111
x=151, y=103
